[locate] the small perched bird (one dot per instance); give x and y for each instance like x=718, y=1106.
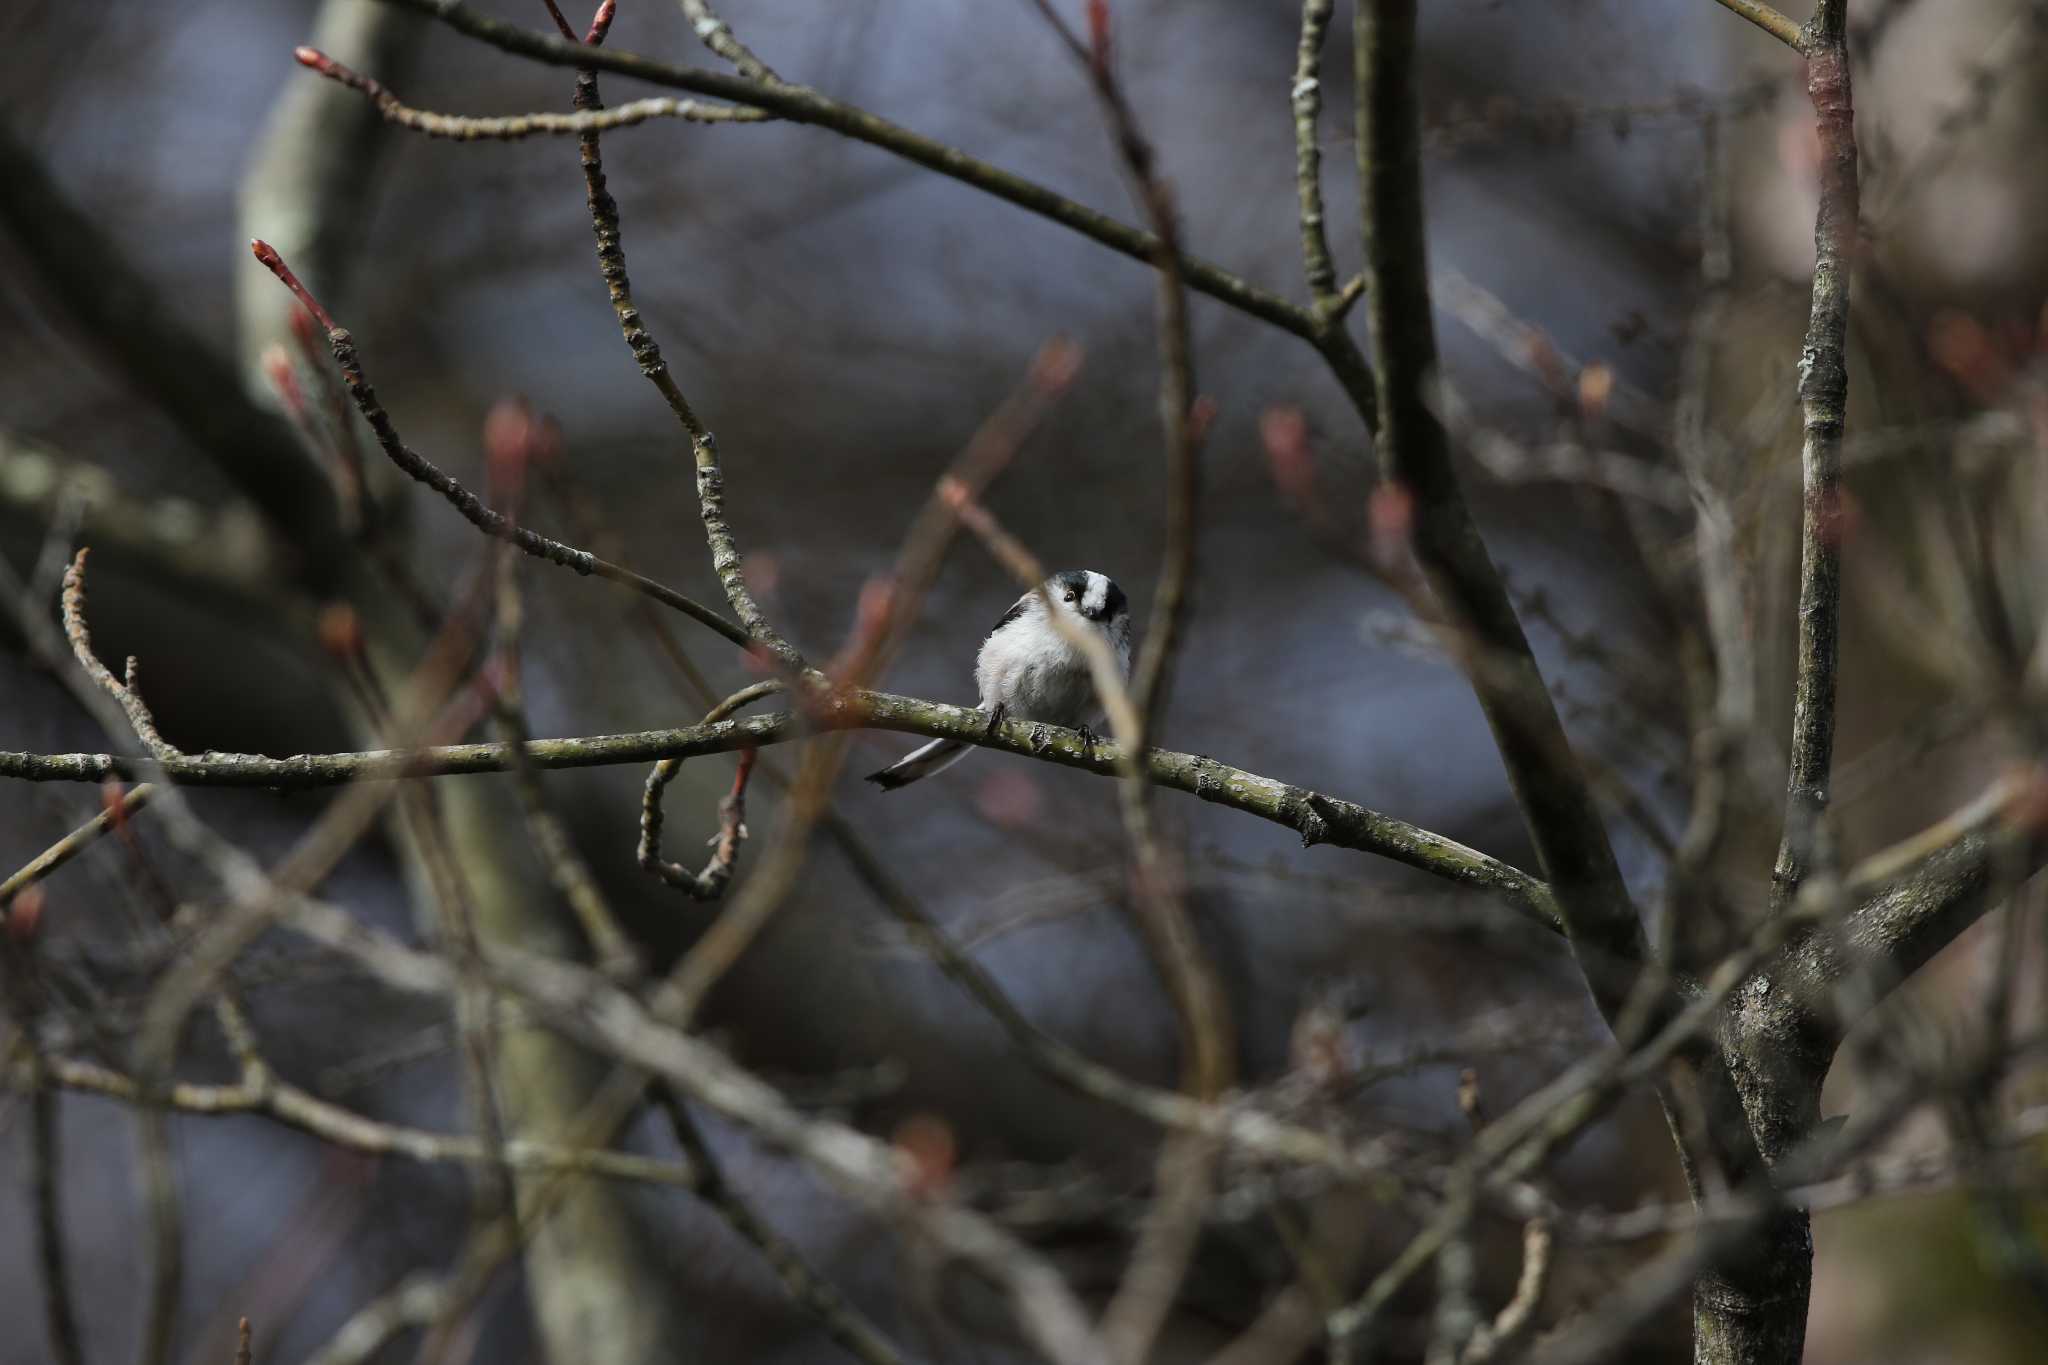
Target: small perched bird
x=1027, y=670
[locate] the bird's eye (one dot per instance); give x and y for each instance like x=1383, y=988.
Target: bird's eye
x=1070, y=597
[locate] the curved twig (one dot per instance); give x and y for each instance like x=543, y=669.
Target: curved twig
x=709, y=884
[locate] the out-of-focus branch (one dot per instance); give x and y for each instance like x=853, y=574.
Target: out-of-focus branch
x=1769, y=20
x=415, y=1301
x=1508, y=1148
x=1307, y=99
x=74, y=843
x=1912, y=899
x=223, y=549
x=129, y=320
x=20, y=975
x=871, y=1173
x=267, y=1095
x=1518, y=1314
x=518, y=440
x=312, y=173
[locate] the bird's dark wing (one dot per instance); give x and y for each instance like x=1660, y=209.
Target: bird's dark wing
x=1015, y=611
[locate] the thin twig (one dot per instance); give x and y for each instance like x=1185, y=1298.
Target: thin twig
x=842, y=1321
x=269, y=1096
x=1518, y=1314
x=125, y=693
x=513, y=127
x=46, y=1166
x=1769, y=20
x=709, y=884
x=803, y=105
x=872, y=1173
x=719, y=37
x=111, y=815
x=611, y=259
x=1823, y=397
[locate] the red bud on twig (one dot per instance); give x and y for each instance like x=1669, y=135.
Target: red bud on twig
x=1283, y=430
x=928, y=1141
x=25, y=913
x=274, y=263
x=340, y=630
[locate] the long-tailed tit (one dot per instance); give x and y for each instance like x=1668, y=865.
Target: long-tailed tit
x=1027, y=670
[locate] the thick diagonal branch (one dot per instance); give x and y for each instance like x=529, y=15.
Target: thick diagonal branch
x=1556, y=802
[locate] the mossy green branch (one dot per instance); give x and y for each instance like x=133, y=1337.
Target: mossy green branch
x=1317, y=818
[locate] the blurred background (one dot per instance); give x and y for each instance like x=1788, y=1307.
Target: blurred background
x=844, y=321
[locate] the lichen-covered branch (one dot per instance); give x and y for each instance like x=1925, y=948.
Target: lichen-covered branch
x=710, y=883
x=280, y=1101
x=1823, y=396
x=1316, y=817
x=1751, y=1298
x=110, y=816
x=1307, y=98
x=611, y=260
x=1779, y=26
x=514, y=127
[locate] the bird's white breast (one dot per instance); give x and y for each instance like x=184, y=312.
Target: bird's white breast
x=1030, y=668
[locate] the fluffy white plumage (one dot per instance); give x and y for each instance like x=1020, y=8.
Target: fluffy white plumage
x=1028, y=670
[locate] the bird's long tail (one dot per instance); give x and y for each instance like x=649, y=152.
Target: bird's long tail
x=922, y=762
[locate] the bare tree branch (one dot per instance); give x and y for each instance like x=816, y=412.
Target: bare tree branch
x=473, y=508
x=1318, y=818
x=800, y=104
x=514, y=127
x=1823, y=396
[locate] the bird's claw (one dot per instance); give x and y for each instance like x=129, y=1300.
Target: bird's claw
x=1089, y=739
x=996, y=719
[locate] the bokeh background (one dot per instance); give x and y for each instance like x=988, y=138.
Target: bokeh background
x=844, y=321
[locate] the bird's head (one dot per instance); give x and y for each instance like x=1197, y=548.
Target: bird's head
x=1089, y=595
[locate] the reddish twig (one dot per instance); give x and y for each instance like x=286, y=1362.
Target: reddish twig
x=709, y=884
